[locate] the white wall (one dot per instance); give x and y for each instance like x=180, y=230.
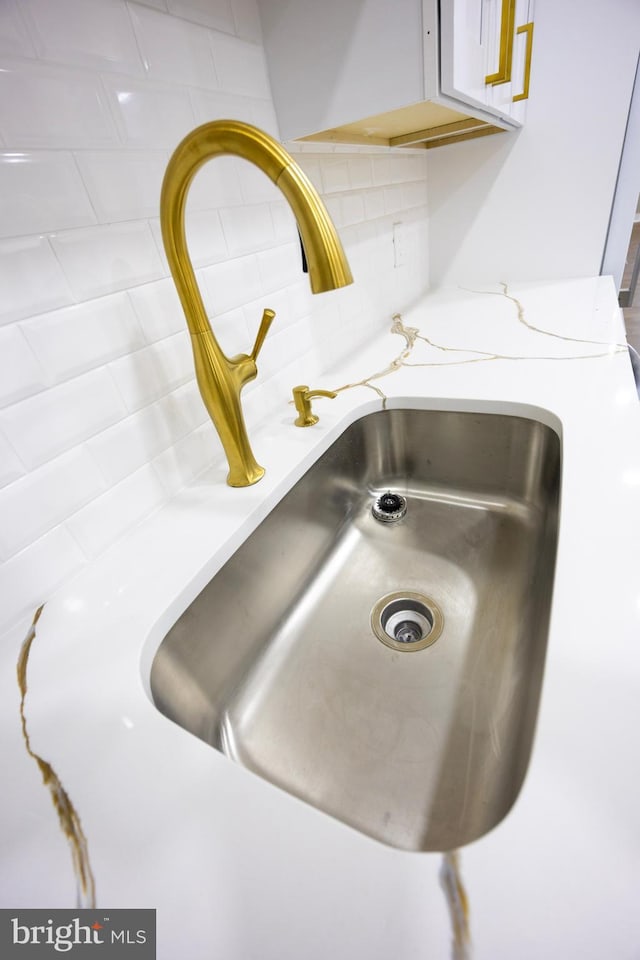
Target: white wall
x=100, y=418
x=536, y=204
x=626, y=205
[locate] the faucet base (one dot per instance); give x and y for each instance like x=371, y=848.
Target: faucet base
x=245, y=477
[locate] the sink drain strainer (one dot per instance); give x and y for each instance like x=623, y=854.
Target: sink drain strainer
x=407, y=621
x=389, y=507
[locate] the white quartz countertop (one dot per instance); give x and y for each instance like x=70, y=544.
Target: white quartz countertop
x=239, y=870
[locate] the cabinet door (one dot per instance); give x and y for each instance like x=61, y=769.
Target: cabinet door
x=465, y=50
x=522, y=55
x=511, y=33
x=485, y=53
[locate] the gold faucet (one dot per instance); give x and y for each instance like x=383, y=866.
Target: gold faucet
x=221, y=378
x=302, y=397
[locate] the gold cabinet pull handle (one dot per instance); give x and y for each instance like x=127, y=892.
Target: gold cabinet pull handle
x=507, y=23
x=528, y=29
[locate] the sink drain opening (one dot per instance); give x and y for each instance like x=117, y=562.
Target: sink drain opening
x=406, y=621
x=389, y=507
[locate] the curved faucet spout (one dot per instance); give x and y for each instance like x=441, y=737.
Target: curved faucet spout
x=221, y=378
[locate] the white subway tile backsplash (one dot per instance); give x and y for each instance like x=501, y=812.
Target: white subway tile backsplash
x=123, y=448
x=41, y=191
x=284, y=222
x=295, y=147
x=352, y=208
x=11, y=467
x=105, y=520
x=95, y=33
x=264, y=117
x=128, y=445
x=416, y=166
x=325, y=332
x=342, y=148
x=277, y=301
x=247, y=20
x=20, y=373
x=300, y=299
x=401, y=168
x=55, y=420
x=215, y=105
x=46, y=497
x=240, y=66
x=247, y=228
x=149, y=114
x=360, y=172
x=216, y=184
x=282, y=348
x=210, y=13
x=393, y=199
x=233, y=332
x=31, y=279
x=312, y=167
x=334, y=208
x=381, y=166
x=184, y=409
x=50, y=106
x=258, y=402
x=123, y=185
x=187, y=458
x=205, y=238
x=14, y=38
x=148, y=374
x=335, y=175
x=255, y=186
x=70, y=341
x=102, y=259
x=227, y=285
x=373, y=204
x=414, y=194
x=280, y=266
x=30, y=577
x=156, y=231
x=158, y=309
x=173, y=50
x=366, y=251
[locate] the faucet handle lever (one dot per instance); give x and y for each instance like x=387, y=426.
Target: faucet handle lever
x=263, y=330
x=302, y=397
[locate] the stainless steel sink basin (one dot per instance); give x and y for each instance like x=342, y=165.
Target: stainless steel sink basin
x=386, y=671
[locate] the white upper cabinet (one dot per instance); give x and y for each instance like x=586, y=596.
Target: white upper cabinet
x=397, y=72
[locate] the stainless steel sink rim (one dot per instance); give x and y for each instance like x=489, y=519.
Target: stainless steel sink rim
x=401, y=606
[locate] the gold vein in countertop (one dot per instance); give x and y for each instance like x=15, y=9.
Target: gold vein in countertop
x=412, y=334
x=67, y=815
x=458, y=904
x=547, y=333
